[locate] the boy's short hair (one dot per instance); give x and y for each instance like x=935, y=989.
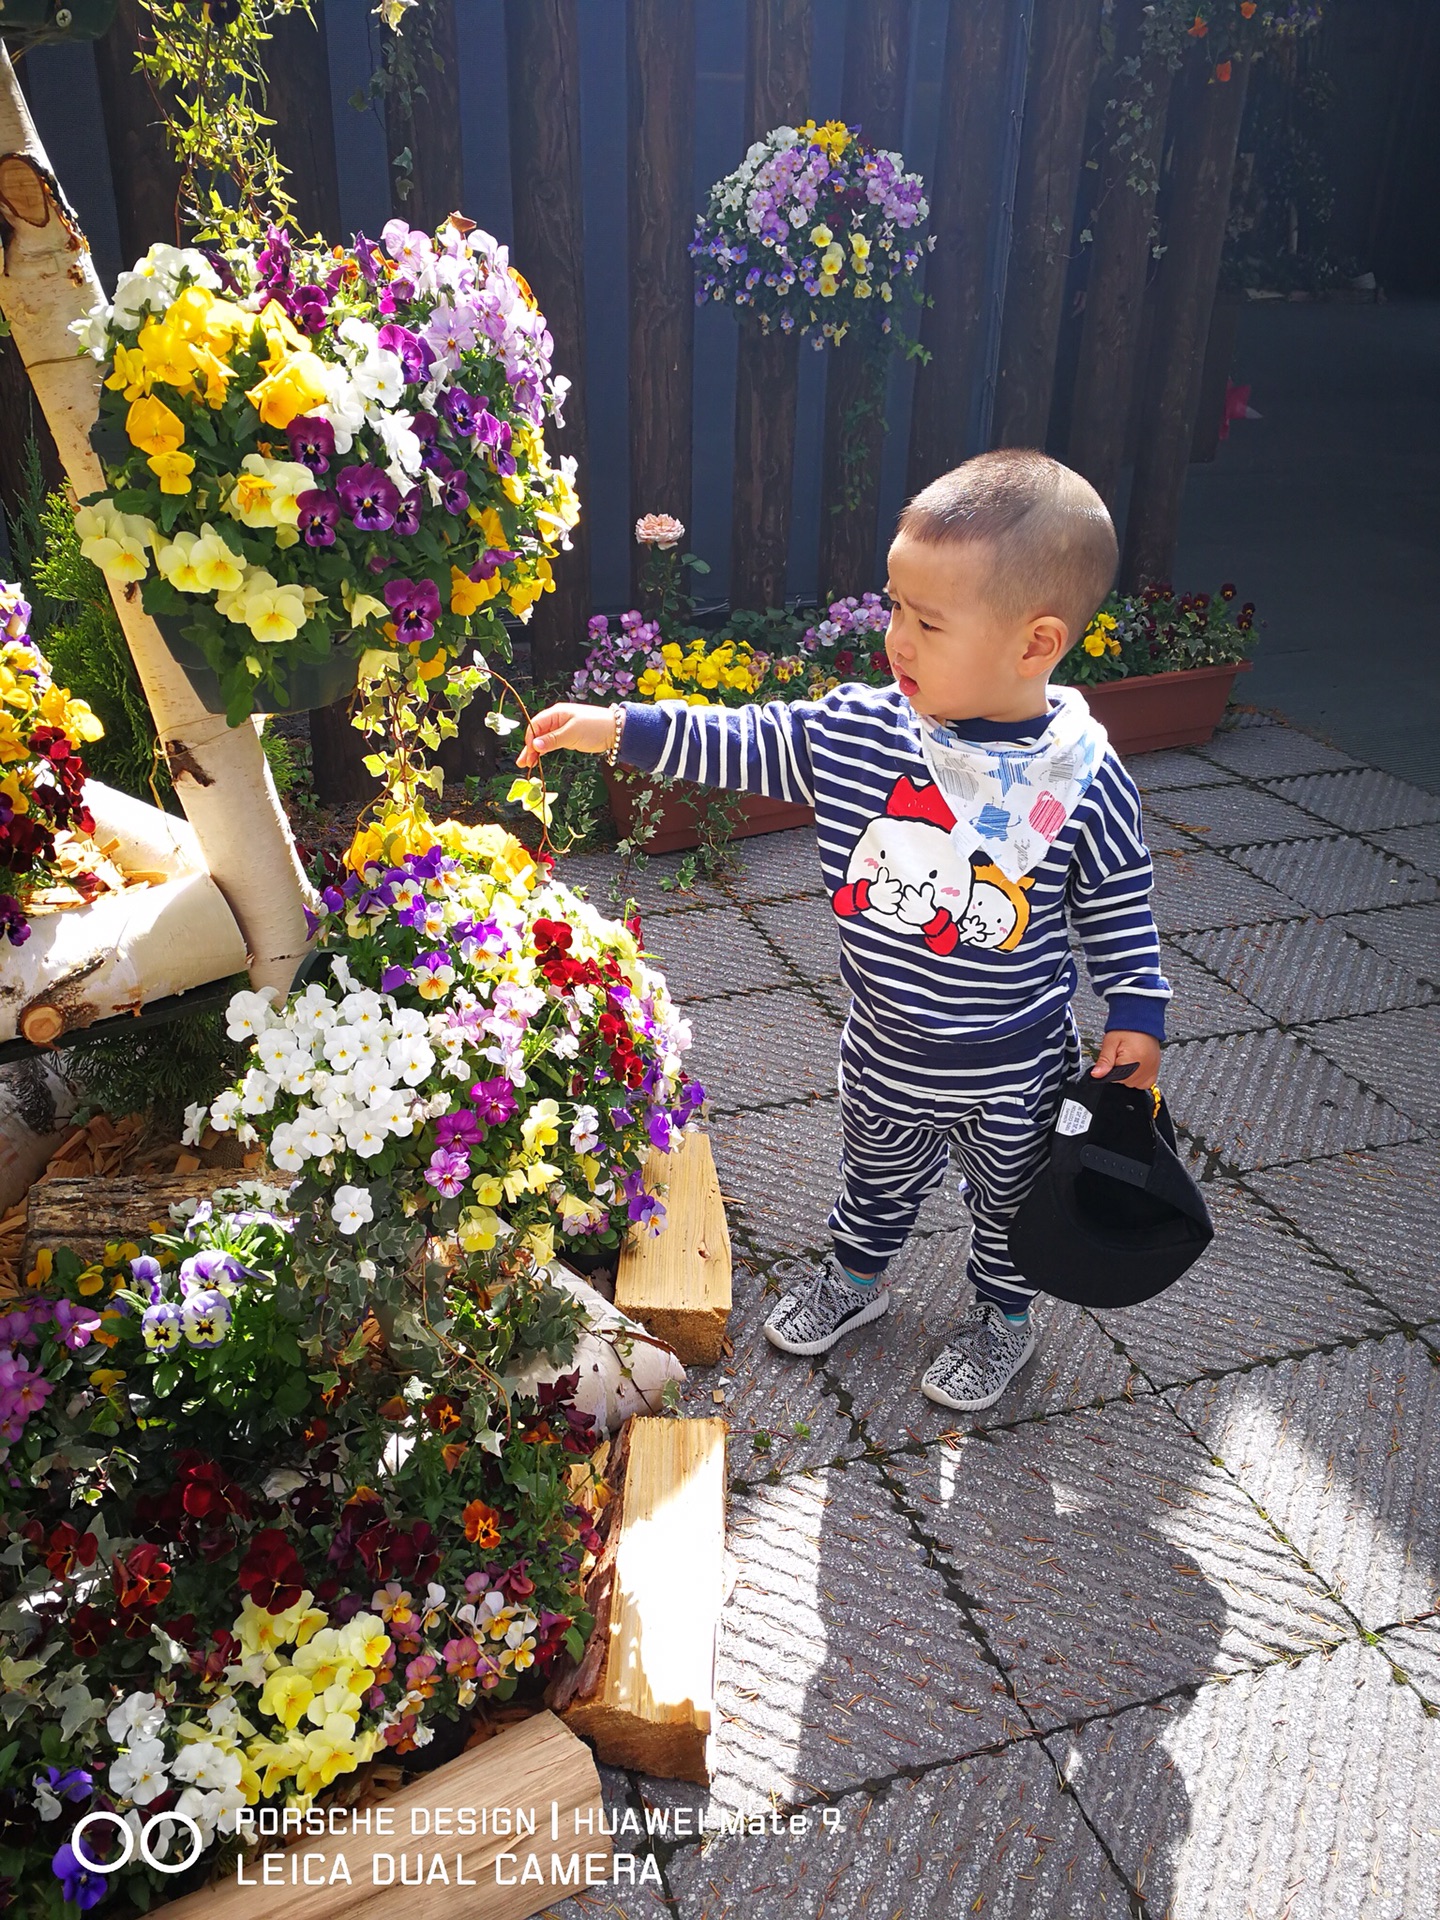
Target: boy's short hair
x=1052, y=542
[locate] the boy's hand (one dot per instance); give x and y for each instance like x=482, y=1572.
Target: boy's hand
x=1143, y=1048
x=582, y=729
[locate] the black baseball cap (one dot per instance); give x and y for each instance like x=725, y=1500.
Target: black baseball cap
x=1114, y=1217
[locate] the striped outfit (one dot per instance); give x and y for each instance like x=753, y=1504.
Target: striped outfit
x=960, y=1033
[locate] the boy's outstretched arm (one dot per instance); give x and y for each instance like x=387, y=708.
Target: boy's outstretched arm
x=751, y=749
x=582, y=729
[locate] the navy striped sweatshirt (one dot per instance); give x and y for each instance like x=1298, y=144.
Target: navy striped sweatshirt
x=995, y=957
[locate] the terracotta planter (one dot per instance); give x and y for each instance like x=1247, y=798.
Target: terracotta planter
x=1149, y=711
x=678, y=826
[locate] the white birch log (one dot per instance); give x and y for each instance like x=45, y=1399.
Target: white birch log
x=220, y=773
x=623, y=1369
x=122, y=950
x=36, y=1102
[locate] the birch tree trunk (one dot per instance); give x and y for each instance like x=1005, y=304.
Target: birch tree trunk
x=220, y=774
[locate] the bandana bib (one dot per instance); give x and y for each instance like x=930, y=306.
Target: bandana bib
x=1010, y=801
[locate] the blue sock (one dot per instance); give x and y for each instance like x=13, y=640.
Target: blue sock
x=1017, y=1319
x=858, y=1279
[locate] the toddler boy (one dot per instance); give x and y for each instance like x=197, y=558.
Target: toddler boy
x=964, y=816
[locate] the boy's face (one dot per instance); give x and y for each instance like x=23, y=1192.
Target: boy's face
x=953, y=656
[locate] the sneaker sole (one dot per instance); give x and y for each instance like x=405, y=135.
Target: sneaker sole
x=943, y=1399
x=805, y=1348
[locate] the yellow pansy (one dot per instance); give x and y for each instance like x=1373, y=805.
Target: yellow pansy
x=285, y=1696
x=129, y=373
x=541, y=1125
x=821, y=236
x=153, y=427
x=297, y=386
x=281, y=336
x=466, y=595
x=275, y=613
x=833, y=259
x=541, y=1242
x=479, y=1229
x=172, y=470
x=828, y=284
x=487, y=1190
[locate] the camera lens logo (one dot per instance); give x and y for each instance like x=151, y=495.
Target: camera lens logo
x=147, y=1833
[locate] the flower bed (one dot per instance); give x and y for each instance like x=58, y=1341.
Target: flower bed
x=254, y=1545
x=312, y=452
x=46, y=856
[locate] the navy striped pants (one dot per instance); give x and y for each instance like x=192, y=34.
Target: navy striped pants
x=905, y=1115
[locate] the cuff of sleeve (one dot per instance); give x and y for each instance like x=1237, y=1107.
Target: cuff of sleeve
x=1136, y=1013
x=642, y=737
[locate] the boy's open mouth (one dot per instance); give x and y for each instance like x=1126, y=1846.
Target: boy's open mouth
x=906, y=685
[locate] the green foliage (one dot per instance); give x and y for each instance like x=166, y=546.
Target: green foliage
x=160, y=1070
x=1158, y=631
x=204, y=65
x=76, y=628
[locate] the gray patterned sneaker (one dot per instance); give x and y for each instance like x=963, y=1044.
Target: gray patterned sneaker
x=820, y=1305
x=985, y=1358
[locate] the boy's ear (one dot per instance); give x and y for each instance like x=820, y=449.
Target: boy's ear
x=1048, y=641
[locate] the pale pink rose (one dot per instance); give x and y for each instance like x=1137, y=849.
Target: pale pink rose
x=659, y=530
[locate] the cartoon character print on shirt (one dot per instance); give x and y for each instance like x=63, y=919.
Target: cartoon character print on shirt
x=905, y=874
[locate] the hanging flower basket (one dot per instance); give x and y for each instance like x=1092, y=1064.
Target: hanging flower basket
x=311, y=453
x=306, y=685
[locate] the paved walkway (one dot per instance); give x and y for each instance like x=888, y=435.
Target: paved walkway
x=1158, y=1634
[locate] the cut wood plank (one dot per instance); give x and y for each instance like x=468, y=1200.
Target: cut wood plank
x=523, y=1771
x=644, y=1693
x=677, y=1282
x=86, y=1214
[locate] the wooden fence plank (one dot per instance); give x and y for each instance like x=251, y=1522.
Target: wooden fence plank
x=660, y=87
x=1064, y=48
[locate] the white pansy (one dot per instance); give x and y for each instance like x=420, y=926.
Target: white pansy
x=565, y=1046
x=139, y=1716
x=342, y=1047
x=365, y=1135
x=224, y=1111
x=138, y=1775
x=249, y=1014
x=364, y=1009
x=311, y=1134
x=352, y=1208
x=411, y=1060
x=286, y=1151
x=379, y=378
x=257, y=1091
x=298, y=1074
x=371, y=1081
x=274, y=1047
x=196, y=1121
x=401, y=444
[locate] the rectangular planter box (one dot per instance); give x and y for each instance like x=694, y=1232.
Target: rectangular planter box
x=677, y=826
x=1149, y=711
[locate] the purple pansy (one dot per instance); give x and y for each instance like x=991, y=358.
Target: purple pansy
x=415, y=355
x=319, y=514
x=312, y=441
x=77, y=1883
x=493, y=1100
x=448, y=1171
x=370, y=497
x=416, y=607
x=407, y=520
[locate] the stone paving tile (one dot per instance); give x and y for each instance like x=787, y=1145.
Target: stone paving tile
x=1234, y=816
x=712, y=952
x=1197, y=890
x=1408, y=935
x=1261, y=1099
x=1299, y=1793
x=1270, y=752
x=1336, y=1449
x=1201, y=1005
x=1419, y=845
x=783, y=1167
x=1378, y=1214
x=1361, y=801
x=840, y=1658
x=765, y=1047
x=1257, y=1292
x=1337, y=876
x=770, y=866
x=1074, y=1364
x=1175, y=767
x=804, y=931
x=640, y=1901
x=766, y=1390
x=1398, y=1052
x=992, y=1834
x=1298, y=970
x=1415, y=1649
x=1114, y=1560
x=593, y=871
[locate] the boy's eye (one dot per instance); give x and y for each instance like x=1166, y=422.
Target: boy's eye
x=927, y=626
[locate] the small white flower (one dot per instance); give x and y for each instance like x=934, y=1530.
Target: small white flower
x=352, y=1208
x=343, y=1047
x=365, y=1269
x=364, y=1009
x=257, y=1092
x=565, y=1046
x=138, y=1775
x=410, y=1059
x=196, y=1120
x=286, y=1151
x=249, y=1013
x=585, y=1133
x=312, y=1133
x=273, y=1048
x=371, y=1081
x=279, y=1484
x=224, y=1110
